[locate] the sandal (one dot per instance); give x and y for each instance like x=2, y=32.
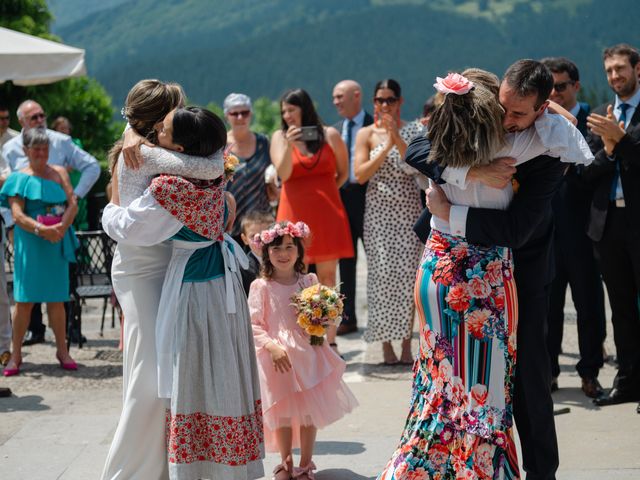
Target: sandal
x=286, y=467
x=305, y=473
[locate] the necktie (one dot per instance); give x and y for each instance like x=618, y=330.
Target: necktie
x=614, y=185
x=352, y=174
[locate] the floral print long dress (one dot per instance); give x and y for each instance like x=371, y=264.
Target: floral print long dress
x=460, y=422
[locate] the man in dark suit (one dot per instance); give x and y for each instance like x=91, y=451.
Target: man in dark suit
x=614, y=224
x=347, y=98
x=527, y=227
x=575, y=262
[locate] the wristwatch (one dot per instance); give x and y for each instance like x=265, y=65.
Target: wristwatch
x=37, y=228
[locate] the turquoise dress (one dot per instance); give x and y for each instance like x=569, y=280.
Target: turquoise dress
x=41, y=268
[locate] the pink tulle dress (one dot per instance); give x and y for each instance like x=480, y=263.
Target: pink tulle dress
x=312, y=392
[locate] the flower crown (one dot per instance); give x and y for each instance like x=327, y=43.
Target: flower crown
x=296, y=230
x=454, y=83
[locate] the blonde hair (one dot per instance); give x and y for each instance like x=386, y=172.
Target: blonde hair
x=148, y=102
x=466, y=130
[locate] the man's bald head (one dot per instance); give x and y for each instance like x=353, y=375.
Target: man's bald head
x=31, y=115
x=347, y=98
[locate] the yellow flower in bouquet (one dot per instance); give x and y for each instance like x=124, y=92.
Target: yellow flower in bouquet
x=318, y=307
x=231, y=162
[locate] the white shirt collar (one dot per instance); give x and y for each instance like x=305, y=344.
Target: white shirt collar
x=358, y=119
x=633, y=101
x=576, y=108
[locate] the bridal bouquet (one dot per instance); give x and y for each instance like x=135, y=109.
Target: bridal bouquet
x=318, y=307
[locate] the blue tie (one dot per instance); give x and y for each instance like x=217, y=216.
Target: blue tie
x=352, y=174
x=614, y=185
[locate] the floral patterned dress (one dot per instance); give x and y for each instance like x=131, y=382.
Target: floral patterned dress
x=460, y=422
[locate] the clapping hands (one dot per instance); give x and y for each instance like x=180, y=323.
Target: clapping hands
x=607, y=128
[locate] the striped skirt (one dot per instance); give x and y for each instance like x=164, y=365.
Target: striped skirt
x=460, y=421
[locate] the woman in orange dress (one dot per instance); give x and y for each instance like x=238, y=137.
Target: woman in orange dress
x=311, y=161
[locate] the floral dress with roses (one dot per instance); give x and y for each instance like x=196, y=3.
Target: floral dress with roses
x=460, y=422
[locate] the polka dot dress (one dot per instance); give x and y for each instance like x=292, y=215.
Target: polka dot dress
x=393, y=249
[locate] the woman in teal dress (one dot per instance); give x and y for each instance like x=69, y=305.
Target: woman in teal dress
x=43, y=206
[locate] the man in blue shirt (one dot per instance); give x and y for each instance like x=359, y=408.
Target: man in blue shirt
x=63, y=152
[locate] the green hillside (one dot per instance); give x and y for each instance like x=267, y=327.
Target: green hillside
x=262, y=47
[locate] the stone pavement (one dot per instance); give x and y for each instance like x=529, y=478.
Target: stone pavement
x=58, y=424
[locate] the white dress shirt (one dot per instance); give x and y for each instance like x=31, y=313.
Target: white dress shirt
x=631, y=109
x=358, y=121
x=551, y=135
x=62, y=152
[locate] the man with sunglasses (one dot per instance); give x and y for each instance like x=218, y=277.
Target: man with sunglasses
x=63, y=152
x=575, y=262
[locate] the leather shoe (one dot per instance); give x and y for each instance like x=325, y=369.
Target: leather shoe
x=345, y=328
x=638, y=408
x=591, y=387
x=32, y=338
x=5, y=392
x=616, y=396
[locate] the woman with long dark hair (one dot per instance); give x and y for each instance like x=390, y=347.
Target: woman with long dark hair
x=311, y=161
x=392, y=205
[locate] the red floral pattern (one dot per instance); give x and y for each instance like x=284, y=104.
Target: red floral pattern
x=199, y=209
x=199, y=437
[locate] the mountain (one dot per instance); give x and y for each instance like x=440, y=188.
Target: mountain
x=262, y=47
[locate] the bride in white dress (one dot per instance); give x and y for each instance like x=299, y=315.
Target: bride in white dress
x=138, y=450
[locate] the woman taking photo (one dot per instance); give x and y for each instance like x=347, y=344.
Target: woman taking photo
x=392, y=206
x=311, y=161
x=43, y=206
x=252, y=149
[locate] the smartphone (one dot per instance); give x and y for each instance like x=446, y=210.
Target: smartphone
x=309, y=134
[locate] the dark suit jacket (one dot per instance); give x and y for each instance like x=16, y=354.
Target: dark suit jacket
x=601, y=172
x=251, y=273
x=526, y=226
x=572, y=203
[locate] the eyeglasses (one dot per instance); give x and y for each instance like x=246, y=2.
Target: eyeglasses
x=562, y=86
x=244, y=113
x=37, y=116
x=388, y=100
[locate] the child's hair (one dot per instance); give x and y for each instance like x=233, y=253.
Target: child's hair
x=255, y=217
x=266, y=269
x=467, y=129
x=199, y=131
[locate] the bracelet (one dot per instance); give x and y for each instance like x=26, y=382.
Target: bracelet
x=37, y=228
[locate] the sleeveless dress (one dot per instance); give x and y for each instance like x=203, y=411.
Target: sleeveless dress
x=41, y=268
x=393, y=250
x=310, y=195
x=248, y=185
x=312, y=392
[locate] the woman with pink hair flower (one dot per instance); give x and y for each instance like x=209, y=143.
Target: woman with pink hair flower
x=460, y=424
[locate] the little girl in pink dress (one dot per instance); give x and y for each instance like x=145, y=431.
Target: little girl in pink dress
x=301, y=384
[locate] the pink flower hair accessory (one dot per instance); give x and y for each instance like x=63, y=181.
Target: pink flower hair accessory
x=296, y=230
x=454, y=83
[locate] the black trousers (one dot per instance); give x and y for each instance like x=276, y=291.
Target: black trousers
x=532, y=403
x=619, y=256
x=353, y=196
x=576, y=267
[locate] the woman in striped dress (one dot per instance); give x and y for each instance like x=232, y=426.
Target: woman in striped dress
x=460, y=422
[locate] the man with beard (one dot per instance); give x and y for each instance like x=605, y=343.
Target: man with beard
x=614, y=224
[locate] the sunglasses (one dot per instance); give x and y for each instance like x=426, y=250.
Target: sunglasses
x=37, y=116
x=561, y=87
x=244, y=113
x=388, y=100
